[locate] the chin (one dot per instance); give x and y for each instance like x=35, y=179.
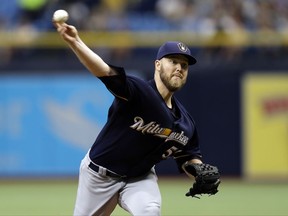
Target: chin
x=175, y=88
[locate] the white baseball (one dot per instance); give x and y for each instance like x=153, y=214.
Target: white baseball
x=60, y=16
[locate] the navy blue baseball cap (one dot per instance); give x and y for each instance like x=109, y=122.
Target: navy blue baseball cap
x=175, y=48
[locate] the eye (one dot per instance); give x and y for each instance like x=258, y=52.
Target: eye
x=173, y=61
x=184, y=66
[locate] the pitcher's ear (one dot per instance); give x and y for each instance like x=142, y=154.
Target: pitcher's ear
x=157, y=63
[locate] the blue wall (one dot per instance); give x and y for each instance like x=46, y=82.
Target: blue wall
x=47, y=123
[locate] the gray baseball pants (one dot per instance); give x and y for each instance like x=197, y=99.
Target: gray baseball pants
x=99, y=194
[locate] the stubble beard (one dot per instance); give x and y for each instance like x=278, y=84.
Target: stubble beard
x=171, y=84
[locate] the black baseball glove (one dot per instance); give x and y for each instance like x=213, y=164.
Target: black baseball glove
x=207, y=179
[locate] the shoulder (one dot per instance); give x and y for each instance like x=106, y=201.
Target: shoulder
x=125, y=86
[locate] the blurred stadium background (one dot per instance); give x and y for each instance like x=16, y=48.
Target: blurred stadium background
x=51, y=108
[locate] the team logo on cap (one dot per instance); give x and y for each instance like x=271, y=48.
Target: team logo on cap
x=182, y=47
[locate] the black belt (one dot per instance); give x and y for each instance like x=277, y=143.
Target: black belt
x=109, y=173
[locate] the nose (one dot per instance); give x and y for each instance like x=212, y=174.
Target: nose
x=179, y=67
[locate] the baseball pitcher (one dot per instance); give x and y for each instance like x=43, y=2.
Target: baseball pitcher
x=146, y=124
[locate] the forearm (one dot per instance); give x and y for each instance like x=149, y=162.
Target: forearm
x=90, y=59
x=86, y=56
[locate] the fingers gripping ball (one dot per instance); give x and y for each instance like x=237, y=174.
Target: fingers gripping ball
x=207, y=179
x=60, y=16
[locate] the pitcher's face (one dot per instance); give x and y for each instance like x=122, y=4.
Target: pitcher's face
x=173, y=71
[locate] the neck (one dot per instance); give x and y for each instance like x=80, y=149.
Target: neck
x=164, y=92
